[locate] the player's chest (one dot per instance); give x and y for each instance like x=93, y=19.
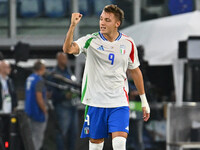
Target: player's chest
x=110, y=52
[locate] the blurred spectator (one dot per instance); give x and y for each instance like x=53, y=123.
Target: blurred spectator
x=36, y=103
x=66, y=112
x=8, y=99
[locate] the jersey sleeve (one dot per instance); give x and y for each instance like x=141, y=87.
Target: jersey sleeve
x=39, y=86
x=133, y=61
x=82, y=44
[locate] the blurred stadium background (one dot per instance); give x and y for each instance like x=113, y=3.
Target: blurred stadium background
x=169, y=31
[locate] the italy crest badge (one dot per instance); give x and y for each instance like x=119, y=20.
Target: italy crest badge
x=122, y=49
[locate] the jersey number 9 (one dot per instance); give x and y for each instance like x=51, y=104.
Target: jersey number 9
x=111, y=57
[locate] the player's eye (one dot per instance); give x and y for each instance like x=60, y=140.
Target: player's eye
x=107, y=20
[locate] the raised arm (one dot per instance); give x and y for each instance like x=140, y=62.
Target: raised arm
x=69, y=46
x=137, y=77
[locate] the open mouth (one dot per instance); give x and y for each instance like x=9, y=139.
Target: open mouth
x=103, y=28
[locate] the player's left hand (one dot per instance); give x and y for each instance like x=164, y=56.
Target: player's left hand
x=145, y=114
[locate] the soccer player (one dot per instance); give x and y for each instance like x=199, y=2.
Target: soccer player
x=109, y=54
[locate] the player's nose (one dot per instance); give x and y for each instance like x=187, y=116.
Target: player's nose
x=102, y=22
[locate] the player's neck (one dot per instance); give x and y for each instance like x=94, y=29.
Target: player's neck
x=38, y=73
x=112, y=36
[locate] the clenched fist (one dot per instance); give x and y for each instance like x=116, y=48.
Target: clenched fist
x=76, y=17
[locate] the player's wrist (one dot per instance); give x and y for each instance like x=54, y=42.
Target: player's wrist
x=73, y=25
x=143, y=99
x=145, y=102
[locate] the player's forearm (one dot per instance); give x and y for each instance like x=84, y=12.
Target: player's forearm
x=137, y=77
x=69, y=40
x=139, y=83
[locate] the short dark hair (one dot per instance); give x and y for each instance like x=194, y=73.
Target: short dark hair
x=61, y=53
x=118, y=12
x=38, y=65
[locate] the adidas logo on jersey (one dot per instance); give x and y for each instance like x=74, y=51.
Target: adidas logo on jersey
x=101, y=48
x=127, y=128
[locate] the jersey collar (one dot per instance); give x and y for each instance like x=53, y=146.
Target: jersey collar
x=117, y=39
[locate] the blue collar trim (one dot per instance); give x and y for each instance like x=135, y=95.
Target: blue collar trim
x=101, y=35
x=117, y=39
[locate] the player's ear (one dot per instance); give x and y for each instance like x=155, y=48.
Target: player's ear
x=117, y=24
